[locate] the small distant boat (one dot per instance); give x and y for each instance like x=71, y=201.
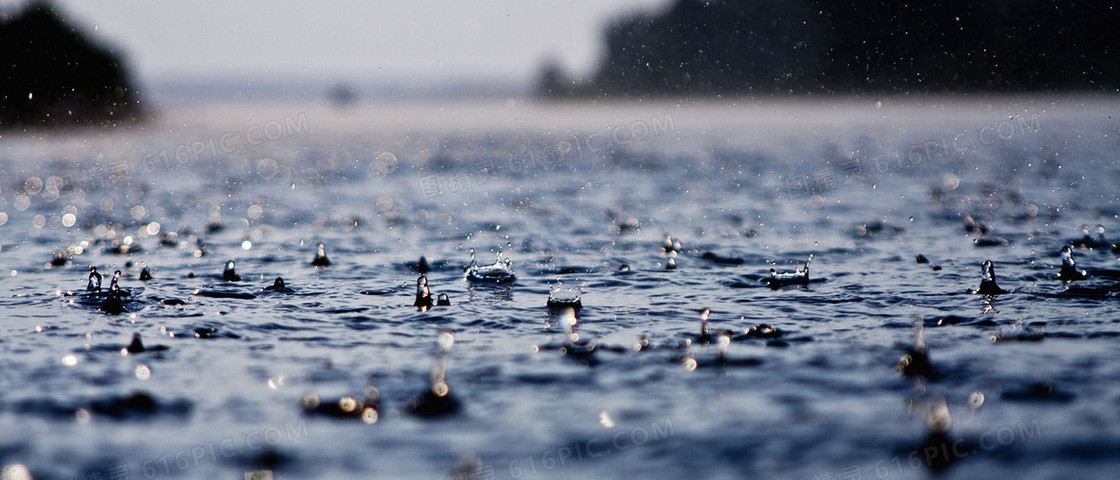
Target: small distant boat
x=342, y=95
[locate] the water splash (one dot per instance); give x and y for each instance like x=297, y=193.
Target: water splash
x=799, y=276
x=94, y=284
x=561, y=296
x=500, y=272
x=320, y=259
x=988, y=284
x=1069, y=270
x=229, y=274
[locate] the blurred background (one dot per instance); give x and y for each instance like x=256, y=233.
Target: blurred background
x=373, y=50
x=352, y=51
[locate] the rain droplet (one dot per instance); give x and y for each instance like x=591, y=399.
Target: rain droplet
x=976, y=399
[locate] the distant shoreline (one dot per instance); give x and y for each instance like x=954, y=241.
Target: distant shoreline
x=460, y=117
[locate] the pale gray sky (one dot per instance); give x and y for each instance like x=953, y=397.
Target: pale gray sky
x=422, y=39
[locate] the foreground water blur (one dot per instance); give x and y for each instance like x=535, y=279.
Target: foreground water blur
x=624, y=385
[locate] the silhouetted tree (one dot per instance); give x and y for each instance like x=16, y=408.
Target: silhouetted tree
x=701, y=47
x=552, y=82
x=53, y=75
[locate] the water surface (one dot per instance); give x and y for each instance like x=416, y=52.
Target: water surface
x=583, y=193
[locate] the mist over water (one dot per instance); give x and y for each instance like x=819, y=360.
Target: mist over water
x=584, y=193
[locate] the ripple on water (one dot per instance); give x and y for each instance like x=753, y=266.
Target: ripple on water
x=828, y=398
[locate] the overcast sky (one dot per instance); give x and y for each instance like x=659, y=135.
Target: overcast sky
x=421, y=39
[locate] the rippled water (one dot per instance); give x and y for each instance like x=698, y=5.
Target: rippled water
x=583, y=193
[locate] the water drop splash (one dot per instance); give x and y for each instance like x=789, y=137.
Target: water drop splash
x=800, y=276
x=113, y=303
x=988, y=284
x=1017, y=332
x=278, y=286
x=671, y=246
x=229, y=274
x=1069, y=270
x=561, y=296
x=705, y=332
x=500, y=272
x=94, y=284
x=423, y=294
x=320, y=259
x=137, y=346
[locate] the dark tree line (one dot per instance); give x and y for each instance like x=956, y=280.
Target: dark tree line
x=764, y=47
x=52, y=75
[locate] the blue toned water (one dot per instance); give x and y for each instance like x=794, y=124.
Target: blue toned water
x=584, y=193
